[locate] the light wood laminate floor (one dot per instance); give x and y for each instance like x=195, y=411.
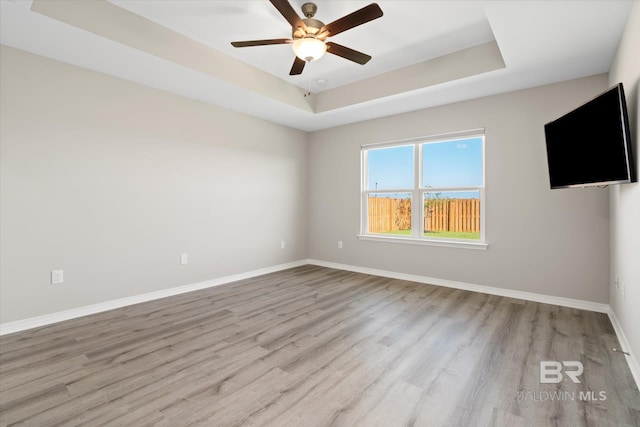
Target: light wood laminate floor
x=313, y=346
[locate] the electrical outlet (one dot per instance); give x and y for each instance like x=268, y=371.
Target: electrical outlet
x=184, y=259
x=57, y=277
x=339, y=244
x=282, y=244
x=617, y=284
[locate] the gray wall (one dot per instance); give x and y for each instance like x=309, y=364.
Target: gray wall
x=111, y=181
x=625, y=199
x=553, y=242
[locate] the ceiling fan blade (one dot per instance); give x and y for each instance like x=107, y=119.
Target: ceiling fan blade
x=348, y=53
x=260, y=42
x=298, y=66
x=359, y=17
x=289, y=14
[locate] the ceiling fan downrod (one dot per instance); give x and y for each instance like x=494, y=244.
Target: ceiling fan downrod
x=309, y=10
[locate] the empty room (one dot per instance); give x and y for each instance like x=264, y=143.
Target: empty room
x=338, y=213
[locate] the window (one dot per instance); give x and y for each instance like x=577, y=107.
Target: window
x=427, y=190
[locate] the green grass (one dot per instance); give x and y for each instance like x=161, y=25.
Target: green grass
x=399, y=232
x=440, y=234
x=453, y=235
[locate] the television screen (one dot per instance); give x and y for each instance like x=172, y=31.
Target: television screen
x=591, y=145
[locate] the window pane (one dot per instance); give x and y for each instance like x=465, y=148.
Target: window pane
x=455, y=163
x=390, y=213
x=390, y=168
x=452, y=214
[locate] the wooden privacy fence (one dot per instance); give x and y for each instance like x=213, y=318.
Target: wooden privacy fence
x=458, y=215
x=387, y=214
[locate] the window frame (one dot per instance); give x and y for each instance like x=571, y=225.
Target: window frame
x=419, y=191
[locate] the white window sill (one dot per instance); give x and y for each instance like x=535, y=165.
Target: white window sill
x=426, y=242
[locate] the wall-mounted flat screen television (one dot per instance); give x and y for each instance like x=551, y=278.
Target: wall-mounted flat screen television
x=591, y=145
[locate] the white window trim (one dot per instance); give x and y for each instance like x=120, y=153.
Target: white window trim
x=470, y=244
x=417, y=193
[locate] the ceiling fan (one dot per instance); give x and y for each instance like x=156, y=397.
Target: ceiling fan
x=309, y=35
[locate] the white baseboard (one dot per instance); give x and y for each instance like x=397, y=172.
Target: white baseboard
x=528, y=296
x=632, y=361
x=634, y=367
x=47, y=319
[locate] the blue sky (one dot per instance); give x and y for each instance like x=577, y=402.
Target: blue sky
x=445, y=164
x=390, y=168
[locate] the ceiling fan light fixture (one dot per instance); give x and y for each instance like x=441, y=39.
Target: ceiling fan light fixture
x=309, y=49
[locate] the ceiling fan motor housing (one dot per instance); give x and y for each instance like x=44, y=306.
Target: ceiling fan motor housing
x=313, y=28
x=313, y=25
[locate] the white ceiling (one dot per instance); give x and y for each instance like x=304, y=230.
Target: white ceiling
x=425, y=53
